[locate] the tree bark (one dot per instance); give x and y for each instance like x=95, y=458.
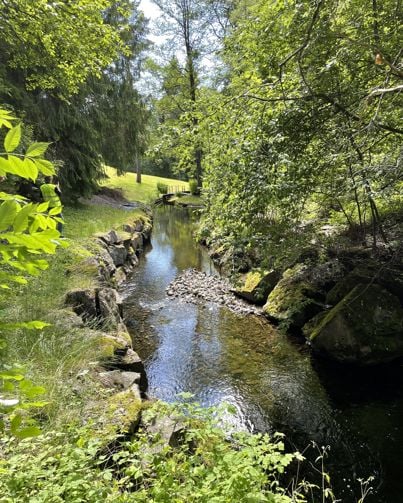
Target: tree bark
x=138, y=169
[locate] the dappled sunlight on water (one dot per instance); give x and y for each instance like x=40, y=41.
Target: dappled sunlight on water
x=220, y=356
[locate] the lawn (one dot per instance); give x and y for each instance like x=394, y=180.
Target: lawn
x=85, y=220
x=146, y=191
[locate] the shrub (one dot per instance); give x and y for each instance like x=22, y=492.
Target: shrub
x=193, y=187
x=162, y=188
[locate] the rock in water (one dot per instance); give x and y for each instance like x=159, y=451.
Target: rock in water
x=294, y=300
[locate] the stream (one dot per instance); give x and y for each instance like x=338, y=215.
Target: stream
x=271, y=381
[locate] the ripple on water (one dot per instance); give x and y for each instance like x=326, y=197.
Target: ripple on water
x=222, y=357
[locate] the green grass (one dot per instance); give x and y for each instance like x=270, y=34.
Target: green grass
x=55, y=355
x=146, y=191
x=189, y=200
x=85, y=220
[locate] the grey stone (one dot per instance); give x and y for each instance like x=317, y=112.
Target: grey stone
x=166, y=430
x=109, y=306
x=106, y=266
x=119, y=379
x=128, y=360
x=110, y=238
x=137, y=241
x=83, y=303
x=120, y=275
x=138, y=226
x=118, y=254
x=128, y=228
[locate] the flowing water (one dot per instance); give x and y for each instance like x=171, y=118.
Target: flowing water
x=272, y=382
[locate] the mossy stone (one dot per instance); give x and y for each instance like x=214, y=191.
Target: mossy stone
x=366, y=327
x=256, y=285
x=293, y=301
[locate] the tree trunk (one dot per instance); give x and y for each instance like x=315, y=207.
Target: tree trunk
x=138, y=169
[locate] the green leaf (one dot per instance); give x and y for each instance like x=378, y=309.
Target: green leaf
x=29, y=431
x=12, y=139
x=8, y=211
x=20, y=223
x=37, y=149
x=43, y=207
x=31, y=169
x=55, y=211
x=45, y=167
x=15, y=423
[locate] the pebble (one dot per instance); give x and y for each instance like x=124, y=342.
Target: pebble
x=193, y=286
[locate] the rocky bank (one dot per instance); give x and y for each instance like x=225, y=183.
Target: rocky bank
x=347, y=304
x=119, y=369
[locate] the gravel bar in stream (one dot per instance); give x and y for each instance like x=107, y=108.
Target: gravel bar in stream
x=194, y=286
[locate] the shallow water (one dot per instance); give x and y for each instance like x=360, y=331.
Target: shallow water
x=271, y=381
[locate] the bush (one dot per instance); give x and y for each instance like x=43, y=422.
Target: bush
x=193, y=187
x=207, y=464
x=162, y=188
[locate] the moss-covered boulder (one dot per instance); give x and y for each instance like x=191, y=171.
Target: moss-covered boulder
x=294, y=300
x=256, y=285
x=365, y=327
x=387, y=275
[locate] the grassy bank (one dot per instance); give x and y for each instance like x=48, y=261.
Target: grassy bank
x=54, y=356
x=146, y=191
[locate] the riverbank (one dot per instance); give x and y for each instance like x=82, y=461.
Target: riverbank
x=82, y=454
x=55, y=356
x=345, y=299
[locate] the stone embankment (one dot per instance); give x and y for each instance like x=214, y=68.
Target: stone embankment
x=119, y=369
x=194, y=286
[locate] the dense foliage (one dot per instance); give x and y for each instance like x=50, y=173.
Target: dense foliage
x=207, y=465
x=75, y=84
x=27, y=232
x=308, y=127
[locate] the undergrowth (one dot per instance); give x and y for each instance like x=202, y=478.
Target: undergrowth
x=205, y=462
x=207, y=465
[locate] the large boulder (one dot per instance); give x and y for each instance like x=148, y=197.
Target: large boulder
x=84, y=304
x=109, y=306
x=118, y=254
x=294, y=300
x=365, y=327
x=256, y=285
x=387, y=275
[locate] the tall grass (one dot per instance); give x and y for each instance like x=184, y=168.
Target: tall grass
x=55, y=355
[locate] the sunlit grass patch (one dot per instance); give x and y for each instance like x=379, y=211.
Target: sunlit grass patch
x=146, y=191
